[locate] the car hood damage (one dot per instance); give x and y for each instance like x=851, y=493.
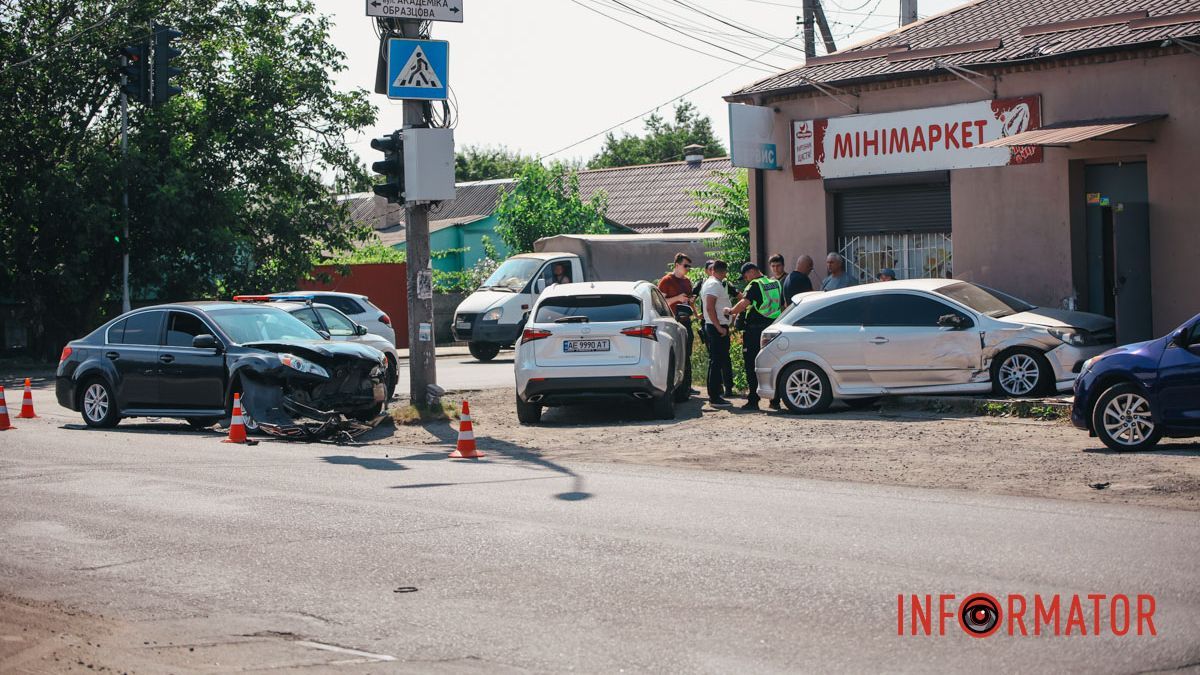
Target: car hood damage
x=1062, y=318
x=344, y=402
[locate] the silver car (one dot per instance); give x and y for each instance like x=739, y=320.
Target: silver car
x=921, y=336
x=339, y=327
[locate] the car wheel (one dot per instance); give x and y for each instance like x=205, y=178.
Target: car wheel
x=98, y=405
x=484, y=351
x=1020, y=372
x=805, y=388
x=664, y=406
x=1123, y=421
x=392, y=378
x=368, y=413
x=528, y=413
x=861, y=403
x=202, y=422
x=247, y=420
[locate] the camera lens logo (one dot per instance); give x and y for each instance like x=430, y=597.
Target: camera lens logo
x=979, y=615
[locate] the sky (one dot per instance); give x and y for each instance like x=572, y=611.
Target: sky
x=542, y=76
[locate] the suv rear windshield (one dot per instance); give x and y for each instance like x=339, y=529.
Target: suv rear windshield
x=589, y=309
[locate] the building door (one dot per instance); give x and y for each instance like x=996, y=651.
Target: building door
x=1119, y=247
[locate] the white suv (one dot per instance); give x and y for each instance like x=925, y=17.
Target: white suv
x=593, y=340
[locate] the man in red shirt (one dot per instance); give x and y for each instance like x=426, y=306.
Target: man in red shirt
x=677, y=288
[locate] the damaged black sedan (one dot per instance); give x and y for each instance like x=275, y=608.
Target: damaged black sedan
x=187, y=361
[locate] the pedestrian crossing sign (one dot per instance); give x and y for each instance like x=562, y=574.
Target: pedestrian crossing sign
x=418, y=69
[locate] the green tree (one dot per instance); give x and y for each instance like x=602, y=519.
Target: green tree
x=477, y=162
x=664, y=141
x=544, y=202
x=725, y=201
x=225, y=181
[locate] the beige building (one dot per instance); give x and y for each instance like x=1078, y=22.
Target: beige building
x=1045, y=149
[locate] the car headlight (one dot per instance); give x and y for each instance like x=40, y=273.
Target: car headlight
x=494, y=314
x=1076, y=337
x=307, y=367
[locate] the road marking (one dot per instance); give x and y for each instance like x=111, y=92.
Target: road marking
x=343, y=650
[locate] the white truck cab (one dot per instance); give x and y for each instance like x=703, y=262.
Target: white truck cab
x=491, y=318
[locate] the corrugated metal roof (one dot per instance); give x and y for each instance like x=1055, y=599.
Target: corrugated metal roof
x=990, y=19
x=1062, y=133
x=654, y=197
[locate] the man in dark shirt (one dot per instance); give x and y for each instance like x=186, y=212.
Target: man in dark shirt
x=798, y=281
x=677, y=289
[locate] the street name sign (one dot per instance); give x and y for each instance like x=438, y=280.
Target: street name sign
x=423, y=10
x=418, y=69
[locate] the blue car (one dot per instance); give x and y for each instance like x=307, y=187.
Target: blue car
x=1134, y=395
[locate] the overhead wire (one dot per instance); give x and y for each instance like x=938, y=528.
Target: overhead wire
x=706, y=12
x=680, y=21
x=773, y=69
x=686, y=34
x=57, y=45
x=667, y=102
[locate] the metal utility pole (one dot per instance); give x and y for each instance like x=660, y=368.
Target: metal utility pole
x=422, y=362
x=908, y=12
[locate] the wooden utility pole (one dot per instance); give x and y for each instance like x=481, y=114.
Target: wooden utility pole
x=422, y=362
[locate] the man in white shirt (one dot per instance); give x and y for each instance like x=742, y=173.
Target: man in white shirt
x=716, y=329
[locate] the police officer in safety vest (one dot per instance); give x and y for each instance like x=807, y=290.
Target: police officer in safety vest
x=762, y=302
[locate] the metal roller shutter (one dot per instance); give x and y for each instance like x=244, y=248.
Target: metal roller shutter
x=892, y=208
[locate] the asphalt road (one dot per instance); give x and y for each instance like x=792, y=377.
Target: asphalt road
x=457, y=373
x=212, y=558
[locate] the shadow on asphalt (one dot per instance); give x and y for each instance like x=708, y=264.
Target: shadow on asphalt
x=1182, y=449
x=370, y=463
x=605, y=413
x=494, y=446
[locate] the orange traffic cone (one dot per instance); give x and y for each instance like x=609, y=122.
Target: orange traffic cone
x=27, y=403
x=237, y=428
x=466, y=437
x=5, y=424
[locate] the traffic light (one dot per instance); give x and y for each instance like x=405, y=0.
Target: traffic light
x=136, y=69
x=391, y=167
x=164, y=53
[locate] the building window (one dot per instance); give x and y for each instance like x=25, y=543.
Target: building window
x=913, y=255
x=902, y=226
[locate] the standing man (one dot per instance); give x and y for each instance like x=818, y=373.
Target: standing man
x=775, y=264
x=797, y=281
x=716, y=328
x=677, y=288
x=835, y=266
x=708, y=272
x=763, y=303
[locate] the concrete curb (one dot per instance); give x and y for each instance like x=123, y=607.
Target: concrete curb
x=1039, y=408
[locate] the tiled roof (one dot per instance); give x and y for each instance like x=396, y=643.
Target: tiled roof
x=653, y=197
x=1003, y=20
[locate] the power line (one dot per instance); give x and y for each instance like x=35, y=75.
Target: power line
x=704, y=12
x=667, y=102
x=677, y=44
x=685, y=33
x=107, y=17
x=682, y=22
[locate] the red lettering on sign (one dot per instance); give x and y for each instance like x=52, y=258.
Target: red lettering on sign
x=980, y=124
x=871, y=141
x=842, y=146
x=951, y=134
x=899, y=138
x=935, y=135
x=918, y=139
x=966, y=135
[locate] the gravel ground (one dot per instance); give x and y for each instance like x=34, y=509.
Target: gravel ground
x=1004, y=456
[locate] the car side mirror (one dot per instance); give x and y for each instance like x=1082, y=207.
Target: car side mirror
x=206, y=341
x=539, y=286
x=325, y=334
x=1180, y=338
x=360, y=329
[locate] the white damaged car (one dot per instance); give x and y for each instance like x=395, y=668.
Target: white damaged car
x=922, y=336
